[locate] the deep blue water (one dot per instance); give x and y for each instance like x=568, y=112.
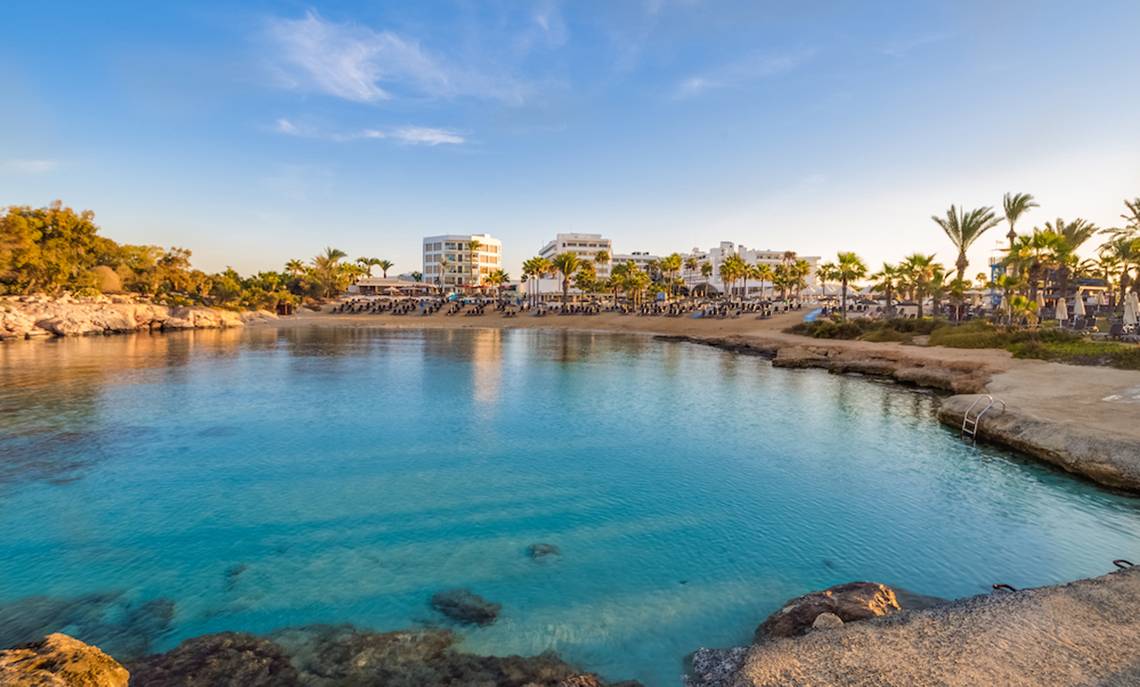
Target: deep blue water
x=355, y=471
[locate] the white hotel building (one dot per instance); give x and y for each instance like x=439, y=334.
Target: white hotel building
x=450, y=263
x=585, y=246
x=715, y=256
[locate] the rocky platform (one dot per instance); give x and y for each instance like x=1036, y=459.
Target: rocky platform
x=28, y=317
x=1083, y=633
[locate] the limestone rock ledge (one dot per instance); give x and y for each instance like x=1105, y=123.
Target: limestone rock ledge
x=956, y=377
x=31, y=317
x=60, y=661
x=1109, y=459
x=1083, y=633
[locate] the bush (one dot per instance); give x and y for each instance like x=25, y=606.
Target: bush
x=1080, y=352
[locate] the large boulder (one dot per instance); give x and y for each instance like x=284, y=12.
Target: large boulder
x=60, y=661
x=464, y=606
x=228, y=659
x=850, y=602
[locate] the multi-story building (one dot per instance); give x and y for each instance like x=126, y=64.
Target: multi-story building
x=450, y=262
x=715, y=256
x=640, y=258
x=585, y=246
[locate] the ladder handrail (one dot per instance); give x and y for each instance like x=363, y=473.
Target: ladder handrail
x=970, y=426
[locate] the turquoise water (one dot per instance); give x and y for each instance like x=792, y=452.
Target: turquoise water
x=354, y=472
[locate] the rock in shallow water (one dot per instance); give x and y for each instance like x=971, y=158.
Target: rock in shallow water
x=60, y=661
x=108, y=620
x=229, y=659
x=466, y=607
x=342, y=655
x=537, y=551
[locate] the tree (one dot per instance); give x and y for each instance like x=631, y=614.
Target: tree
x=417, y=277
x=384, y=266
x=473, y=256
x=918, y=271
x=671, y=266
x=826, y=272
x=1016, y=205
x=295, y=268
x=850, y=267
x=566, y=264
x=964, y=228
x=885, y=282
x=706, y=272
x=497, y=278
x=763, y=274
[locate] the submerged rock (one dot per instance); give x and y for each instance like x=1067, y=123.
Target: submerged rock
x=540, y=550
x=229, y=659
x=849, y=602
x=342, y=655
x=60, y=661
x=107, y=620
x=464, y=606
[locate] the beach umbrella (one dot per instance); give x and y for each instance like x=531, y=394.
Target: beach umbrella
x=1062, y=311
x=1079, y=307
x=1102, y=299
x=1129, y=313
x=1040, y=301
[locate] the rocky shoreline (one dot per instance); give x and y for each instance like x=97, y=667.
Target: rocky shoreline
x=1111, y=459
x=29, y=317
x=1082, y=633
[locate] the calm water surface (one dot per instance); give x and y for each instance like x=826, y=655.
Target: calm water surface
x=266, y=478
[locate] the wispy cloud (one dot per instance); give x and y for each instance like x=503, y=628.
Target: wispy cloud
x=419, y=135
x=413, y=135
x=740, y=73
x=360, y=64
x=28, y=166
x=902, y=47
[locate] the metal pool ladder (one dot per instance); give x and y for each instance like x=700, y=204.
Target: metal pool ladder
x=970, y=423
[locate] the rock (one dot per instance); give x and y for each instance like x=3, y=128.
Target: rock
x=826, y=621
x=466, y=607
x=850, y=602
x=60, y=661
x=1079, y=634
x=229, y=659
x=714, y=667
x=540, y=550
x=28, y=316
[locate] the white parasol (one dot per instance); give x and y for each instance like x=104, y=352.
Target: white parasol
x=1062, y=310
x=1079, y=307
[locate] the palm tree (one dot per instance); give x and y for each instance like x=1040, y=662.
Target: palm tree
x=417, y=277
x=566, y=264
x=1016, y=205
x=497, y=278
x=964, y=228
x=671, y=265
x=601, y=259
x=919, y=271
x=328, y=269
x=850, y=267
x=825, y=273
x=473, y=256
x=886, y=281
x=295, y=267
x=384, y=265
x=366, y=265
x=706, y=270
x=763, y=274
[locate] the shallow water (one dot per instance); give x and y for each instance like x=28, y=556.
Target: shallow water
x=354, y=472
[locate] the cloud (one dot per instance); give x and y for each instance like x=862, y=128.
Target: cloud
x=359, y=64
x=900, y=48
x=28, y=166
x=419, y=135
x=414, y=135
x=740, y=73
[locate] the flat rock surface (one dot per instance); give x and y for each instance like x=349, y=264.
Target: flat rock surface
x=1083, y=633
x=60, y=661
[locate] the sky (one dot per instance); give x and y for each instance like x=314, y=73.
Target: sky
x=256, y=132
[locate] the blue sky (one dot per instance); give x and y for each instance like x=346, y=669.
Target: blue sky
x=258, y=131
